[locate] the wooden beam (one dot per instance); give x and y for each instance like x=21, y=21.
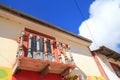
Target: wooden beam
x=65, y=72
x=109, y=55
x=45, y=70
x=117, y=59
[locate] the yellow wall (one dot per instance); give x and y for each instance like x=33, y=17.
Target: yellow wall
x=11, y=27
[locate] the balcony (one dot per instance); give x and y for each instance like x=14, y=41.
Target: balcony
x=44, y=55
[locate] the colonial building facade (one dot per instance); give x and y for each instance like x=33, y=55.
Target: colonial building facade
x=31, y=49
x=109, y=62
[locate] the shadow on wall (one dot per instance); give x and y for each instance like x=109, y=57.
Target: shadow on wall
x=10, y=30
x=82, y=50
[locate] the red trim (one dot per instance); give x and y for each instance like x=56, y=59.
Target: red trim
x=99, y=65
x=55, y=50
x=25, y=45
x=115, y=65
x=38, y=33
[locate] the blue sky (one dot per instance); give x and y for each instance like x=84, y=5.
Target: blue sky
x=97, y=20
x=103, y=24
x=62, y=13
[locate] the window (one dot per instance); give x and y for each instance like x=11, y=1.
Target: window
x=116, y=68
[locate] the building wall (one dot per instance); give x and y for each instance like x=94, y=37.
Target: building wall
x=30, y=75
x=107, y=67
x=11, y=27
x=84, y=61
x=8, y=44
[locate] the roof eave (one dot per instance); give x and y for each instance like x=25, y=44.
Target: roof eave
x=33, y=19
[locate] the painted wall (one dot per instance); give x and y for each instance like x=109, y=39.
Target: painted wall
x=84, y=61
x=30, y=75
x=8, y=47
x=107, y=67
x=8, y=44
x=11, y=27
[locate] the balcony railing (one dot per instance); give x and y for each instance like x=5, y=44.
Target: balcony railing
x=38, y=53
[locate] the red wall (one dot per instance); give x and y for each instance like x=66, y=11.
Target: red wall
x=30, y=75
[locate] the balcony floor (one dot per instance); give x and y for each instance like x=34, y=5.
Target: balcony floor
x=33, y=64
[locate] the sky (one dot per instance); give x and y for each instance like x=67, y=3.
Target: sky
x=97, y=20
x=104, y=24
x=62, y=13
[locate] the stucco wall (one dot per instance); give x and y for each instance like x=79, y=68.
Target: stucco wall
x=10, y=30
x=107, y=67
x=84, y=61
x=30, y=75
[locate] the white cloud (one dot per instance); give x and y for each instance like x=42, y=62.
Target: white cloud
x=103, y=23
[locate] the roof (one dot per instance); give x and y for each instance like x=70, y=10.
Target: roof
x=33, y=19
x=108, y=53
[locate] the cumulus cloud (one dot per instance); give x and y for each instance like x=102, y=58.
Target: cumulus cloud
x=104, y=24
